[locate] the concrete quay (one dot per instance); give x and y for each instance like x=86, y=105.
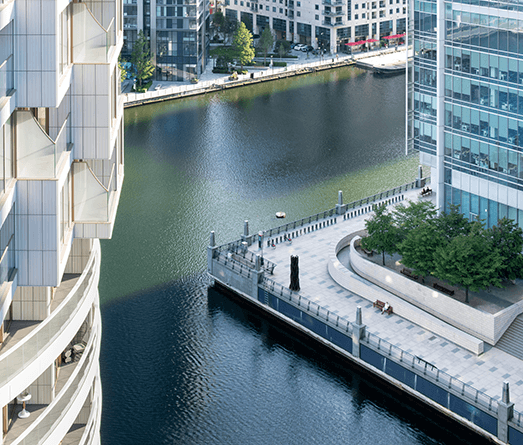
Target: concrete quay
x=210, y=82
x=411, y=348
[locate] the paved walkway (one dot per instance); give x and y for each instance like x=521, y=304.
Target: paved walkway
x=485, y=373
x=376, y=57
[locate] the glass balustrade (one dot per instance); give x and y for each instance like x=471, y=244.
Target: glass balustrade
x=16, y=359
x=55, y=412
x=37, y=153
x=93, y=197
x=92, y=43
x=6, y=77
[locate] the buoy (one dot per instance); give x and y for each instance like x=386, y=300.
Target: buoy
x=280, y=215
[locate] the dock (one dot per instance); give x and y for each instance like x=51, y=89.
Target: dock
x=447, y=364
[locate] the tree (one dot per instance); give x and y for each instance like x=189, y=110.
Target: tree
x=265, y=43
x=454, y=223
x=508, y=238
x=218, y=20
x=141, y=58
x=408, y=217
x=229, y=27
x=281, y=50
x=418, y=248
x=382, y=233
x=471, y=261
x=123, y=71
x=242, y=43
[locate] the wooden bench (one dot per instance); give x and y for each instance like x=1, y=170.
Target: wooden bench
x=409, y=274
x=368, y=252
x=380, y=305
x=443, y=289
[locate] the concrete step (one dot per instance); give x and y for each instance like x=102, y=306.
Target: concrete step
x=512, y=340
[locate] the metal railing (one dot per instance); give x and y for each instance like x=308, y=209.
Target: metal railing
x=432, y=373
x=230, y=263
x=30, y=348
x=305, y=305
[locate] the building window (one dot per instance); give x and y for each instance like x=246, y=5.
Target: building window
x=317, y=17
x=274, y=9
x=298, y=4
x=298, y=13
x=241, y=3
x=356, y=17
x=281, y=10
x=363, y=15
x=65, y=39
x=317, y=7
x=356, y=6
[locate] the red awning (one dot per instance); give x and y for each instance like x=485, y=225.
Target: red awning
x=353, y=43
x=370, y=41
x=395, y=36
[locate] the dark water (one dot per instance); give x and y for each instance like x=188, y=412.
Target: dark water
x=183, y=364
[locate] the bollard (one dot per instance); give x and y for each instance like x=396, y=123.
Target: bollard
x=505, y=413
x=358, y=332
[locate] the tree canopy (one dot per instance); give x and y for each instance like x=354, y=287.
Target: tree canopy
x=382, y=233
x=141, y=58
x=265, y=43
x=242, y=43
x=507, y=237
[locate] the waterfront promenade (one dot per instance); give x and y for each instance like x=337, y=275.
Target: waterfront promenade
x=485, y=372
x=210, y=82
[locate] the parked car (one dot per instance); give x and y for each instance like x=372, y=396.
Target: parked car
x=308, y=48
x=299, y=46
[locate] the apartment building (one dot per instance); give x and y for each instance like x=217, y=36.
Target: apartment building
x=465, y=103
x=61, y=173
x=326, y=24
x=177, y=32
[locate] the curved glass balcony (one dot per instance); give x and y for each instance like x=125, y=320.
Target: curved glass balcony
x=37, y=153
x=27, y=351
x=92, y=43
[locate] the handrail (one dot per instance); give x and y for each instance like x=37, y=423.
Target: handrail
x=5, y=61
x=4, y=253
x=432, y=372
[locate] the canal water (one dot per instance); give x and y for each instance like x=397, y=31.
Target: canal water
x=182, y=363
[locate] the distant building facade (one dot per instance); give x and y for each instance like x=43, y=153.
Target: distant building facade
x=177, y=32
x=465, y=103
x=327, y=24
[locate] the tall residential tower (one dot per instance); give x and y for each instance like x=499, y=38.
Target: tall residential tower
x=465, y=103
x=61, y=173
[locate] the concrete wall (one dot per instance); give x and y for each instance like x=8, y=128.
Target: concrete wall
x=485, y=326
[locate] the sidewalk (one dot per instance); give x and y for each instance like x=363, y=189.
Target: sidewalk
x=381, y=56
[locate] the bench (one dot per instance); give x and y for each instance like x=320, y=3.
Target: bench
x=426, y=192
x=443, y=289
x=381, y=305
x=409, y=274
x=368, y=252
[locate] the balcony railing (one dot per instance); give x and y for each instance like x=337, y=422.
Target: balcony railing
x=93, y=200
x=92, y=43
x=332, y=13
x=6, y=76
x=333, y=2
x=23, y=354
x=51, y=417
x=38, y=154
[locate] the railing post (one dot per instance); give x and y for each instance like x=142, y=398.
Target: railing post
x=340, y=208
x=358, y=332
x=210, y=253
x=505, y=413
x=420, y=176
x=245, y=236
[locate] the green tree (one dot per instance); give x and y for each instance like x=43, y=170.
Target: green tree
x=418, y=248
x=281, y=50
x=242, y=43
x=453, y=223
x=408, y=217
x=470, y=261
x=508, y=239
x=265, y=43
x=229, y=27
x=141, y=58
x=123, y=71
x=381, y=232
x=218, y=20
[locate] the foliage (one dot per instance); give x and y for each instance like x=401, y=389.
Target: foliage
x=508, y=239
x=229, y=27
x=382, y=233
x=224, y=55
x=417, y=249
x=286, y=47
x=471, y=261
x=265, y=43
x=281, y=50
x=454, y=223
x=242, y=43
x=144, y=88
x=141, y=58
x=123, y=71
x=218, y=20
x=412, y=216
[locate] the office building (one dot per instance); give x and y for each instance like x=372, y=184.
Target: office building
x=177, y=33
x=465, y=103
x=61, y=173
x=325, y=24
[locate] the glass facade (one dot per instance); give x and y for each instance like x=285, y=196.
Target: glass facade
x=478, y=101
